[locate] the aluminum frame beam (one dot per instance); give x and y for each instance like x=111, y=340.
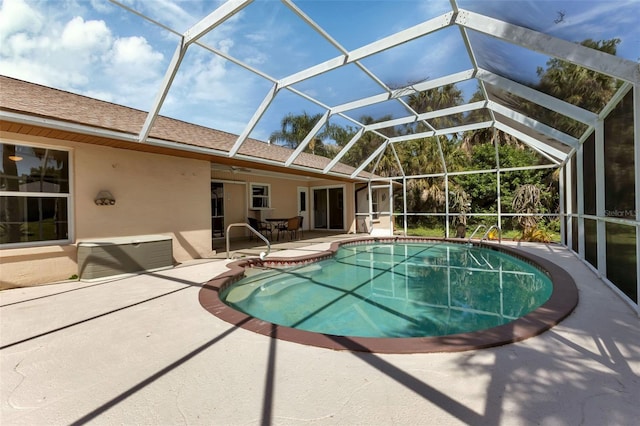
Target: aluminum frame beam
x=254, y=120
x=551, y=153
x=394, y=40
x=215, y=18
x=529, y=39
x=369, y=159
x=218, y=16
x=167, y=81
x=323, y=120
x=442, y=132
x=344, y=150
x=534, y=124
x=428, y=115
x=575, y=53
x=542, y=99
x=408, y=90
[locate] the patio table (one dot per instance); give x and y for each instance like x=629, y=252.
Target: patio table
x=278, y=223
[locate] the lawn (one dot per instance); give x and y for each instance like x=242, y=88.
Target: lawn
x=510, y=234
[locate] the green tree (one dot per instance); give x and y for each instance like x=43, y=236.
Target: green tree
x=577, y=85
x=435, y=99
x=366, y=145
x=295, y=128
x=474, y=150
x=426, y=155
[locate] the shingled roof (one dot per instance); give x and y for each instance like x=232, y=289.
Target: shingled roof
x=89, y=120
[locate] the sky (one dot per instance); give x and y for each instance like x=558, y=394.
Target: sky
x=99, y=49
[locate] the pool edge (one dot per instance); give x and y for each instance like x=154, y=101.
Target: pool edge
x=563, y=300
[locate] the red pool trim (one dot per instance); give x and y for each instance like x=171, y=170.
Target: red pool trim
x=563, y=300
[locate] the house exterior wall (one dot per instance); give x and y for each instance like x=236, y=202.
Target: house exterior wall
x=362, y=206
x=235, y=197
x=155, y=194
x=381, y=221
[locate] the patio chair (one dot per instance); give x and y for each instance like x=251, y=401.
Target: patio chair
x=261, y=227
x=291, y=227
x=300, y=219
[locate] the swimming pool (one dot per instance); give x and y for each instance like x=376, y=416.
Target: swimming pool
x=387, y=294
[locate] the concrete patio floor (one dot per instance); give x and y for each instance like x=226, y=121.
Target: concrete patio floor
x=141, y=350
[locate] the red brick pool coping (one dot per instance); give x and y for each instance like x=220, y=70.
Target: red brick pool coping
x=563, y=300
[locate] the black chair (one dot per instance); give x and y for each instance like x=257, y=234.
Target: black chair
x=261, y=227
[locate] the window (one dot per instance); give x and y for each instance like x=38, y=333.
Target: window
x=260, y=196
x=34, y=194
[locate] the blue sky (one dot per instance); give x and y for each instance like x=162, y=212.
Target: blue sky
x=98, y=49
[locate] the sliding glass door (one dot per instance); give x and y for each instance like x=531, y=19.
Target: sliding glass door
x=328, y=208
x=217, y=209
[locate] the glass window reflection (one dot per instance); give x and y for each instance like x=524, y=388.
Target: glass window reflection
x=29, y=219
x=622, y=258
x=34, y=206
x=591, y=242
x=31, y=169
x=619, y=177
x=589, y=174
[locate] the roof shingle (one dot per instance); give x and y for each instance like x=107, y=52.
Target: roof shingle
x=45, y=102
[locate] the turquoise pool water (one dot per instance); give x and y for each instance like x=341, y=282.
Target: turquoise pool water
x=395, y=290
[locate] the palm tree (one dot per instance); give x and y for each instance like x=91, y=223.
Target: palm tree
x=527, y=200
x=423, y=156
x=295, y=128
x=365, y=146
x=579, y=86
x=434, y=99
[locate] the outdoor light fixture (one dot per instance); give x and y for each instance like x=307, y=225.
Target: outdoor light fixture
x=104, y=198
x=15, y=158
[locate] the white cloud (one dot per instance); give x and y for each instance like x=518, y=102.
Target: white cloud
x=201, y=78
x=444, y=43
x=225, y=45
x=257, y=58
x=101, y=6
x=258, y=37
x=25, y=69
x=17, y=16
x=89, y=36
x=110, y=54
x=77, y=53
x=168, y=12
x=133, y=57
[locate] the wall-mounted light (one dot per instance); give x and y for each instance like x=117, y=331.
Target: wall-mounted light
x=104, y=198
x=15, y=158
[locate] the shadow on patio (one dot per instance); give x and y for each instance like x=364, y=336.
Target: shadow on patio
x=141, y=350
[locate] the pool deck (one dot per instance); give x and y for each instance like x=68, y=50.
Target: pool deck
x=142, y=350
